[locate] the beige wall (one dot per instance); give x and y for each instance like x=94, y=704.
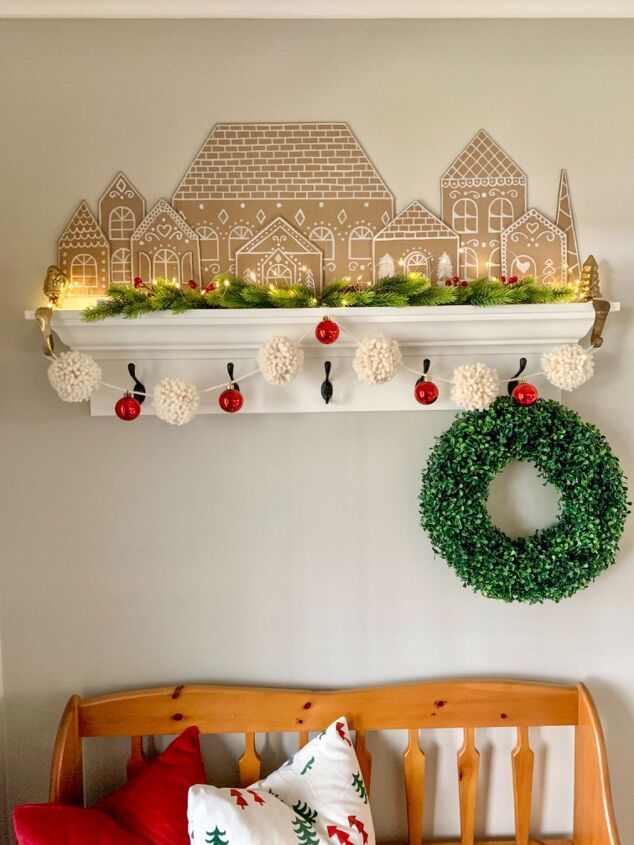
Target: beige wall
x=129, y=554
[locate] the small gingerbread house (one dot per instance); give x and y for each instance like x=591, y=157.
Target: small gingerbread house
x=121, y=210
x=83, y=253
x=316, y=176
x=482, y=192
x=414, y=241
x=280, y=256
x=164, y=246
x=534, y=246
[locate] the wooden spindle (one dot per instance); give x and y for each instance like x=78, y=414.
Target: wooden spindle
x=414, y=767
x=364, y=757
x=522, y=759
x=249, y=763
x=468, y=768
x=137, y=757
x=302, y=738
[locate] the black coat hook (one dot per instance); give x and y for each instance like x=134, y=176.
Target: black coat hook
x=139, y=388
x=426, y=366
x=326, y=385
x=234, y=384
x=513, y=383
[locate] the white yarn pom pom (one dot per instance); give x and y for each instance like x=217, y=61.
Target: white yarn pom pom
x=377, y=359
x=74, y=376
x=474, y=387
x=568, y=367
x=280, y=360
x=175, y=401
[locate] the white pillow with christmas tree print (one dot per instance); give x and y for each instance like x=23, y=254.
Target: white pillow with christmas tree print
x=316, y=798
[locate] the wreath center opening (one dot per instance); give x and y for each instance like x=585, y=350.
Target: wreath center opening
x=521, y=502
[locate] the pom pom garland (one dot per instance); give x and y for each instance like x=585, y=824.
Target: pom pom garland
x=568, y=367
x=280, y=360
x=74, y=376
x=175, y=401
x=475, y=387
x=377, y=359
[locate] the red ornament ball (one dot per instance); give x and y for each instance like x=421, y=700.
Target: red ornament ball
x=525, y=394
x=231, y=400
x=327, y=331
x=425, y=392
x=127, y=408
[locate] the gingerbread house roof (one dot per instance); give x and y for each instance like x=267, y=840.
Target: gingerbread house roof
x=536, y=217
x=83, y=230
x=282, y=161
x=121, y=188
x=163, y=207
x=274, y=226
x=484, y=160
x=413, y=222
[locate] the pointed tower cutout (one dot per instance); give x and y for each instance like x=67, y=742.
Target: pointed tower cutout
x=566, y=222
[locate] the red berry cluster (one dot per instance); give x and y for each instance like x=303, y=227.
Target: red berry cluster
x=195, y=286
x=510, y=281
x=456, y=282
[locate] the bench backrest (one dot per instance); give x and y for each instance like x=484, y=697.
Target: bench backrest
x=467, y=704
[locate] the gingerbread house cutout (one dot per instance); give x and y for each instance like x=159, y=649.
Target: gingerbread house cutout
x=415, y=241
x=83, y=253
x=280, y=256
x=317, y=176
x=566, y=222
x=483, y=191
x=164, y=246
x=534, y=246
x=121, y=210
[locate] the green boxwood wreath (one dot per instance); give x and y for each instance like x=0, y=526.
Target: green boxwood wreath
x=570, y=454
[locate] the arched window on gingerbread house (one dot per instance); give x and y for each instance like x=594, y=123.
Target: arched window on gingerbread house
x=494, y=266
x=325, y=240
x=83, y=271
x=468, y=263
x=360, y=244
x=208, y=243
x=120, y=266
x=500, y=214
x=417, y=262
x=121, y=223
x=464, y=217
x=239, y=236
x=166, y=265
x=279, y=275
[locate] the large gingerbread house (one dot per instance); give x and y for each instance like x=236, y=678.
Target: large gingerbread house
x=316, y=176
x=483, y=192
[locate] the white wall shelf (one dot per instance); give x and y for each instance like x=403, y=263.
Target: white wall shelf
x=197, y=345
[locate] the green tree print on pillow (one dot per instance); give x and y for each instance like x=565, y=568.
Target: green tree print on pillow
x=215, y=837
x=308, y=766
x=304, y=831
x=359, y=785
x=305, y=811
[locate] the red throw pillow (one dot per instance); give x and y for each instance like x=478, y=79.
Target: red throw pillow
x=59, y=824
x=149, y=808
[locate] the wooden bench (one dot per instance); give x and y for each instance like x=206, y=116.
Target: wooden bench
x=467, y=705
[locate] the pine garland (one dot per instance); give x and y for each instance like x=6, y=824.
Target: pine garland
x=390, y=292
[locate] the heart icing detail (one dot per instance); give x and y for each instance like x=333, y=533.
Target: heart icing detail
x=532, y=227
x=522, y=266
x=164, y=230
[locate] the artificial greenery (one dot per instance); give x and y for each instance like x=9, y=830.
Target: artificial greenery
x=393, y=291
x=568, y=453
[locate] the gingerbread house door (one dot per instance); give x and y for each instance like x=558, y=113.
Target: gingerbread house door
x=279, y=270
x=416, y=262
